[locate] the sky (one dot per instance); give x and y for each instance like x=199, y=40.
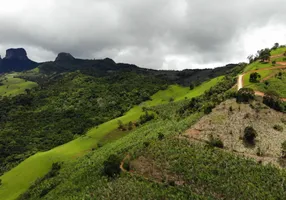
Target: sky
x=157, y=34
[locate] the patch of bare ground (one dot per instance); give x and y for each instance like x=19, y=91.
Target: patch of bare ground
x=228, y=121
x=152, y=171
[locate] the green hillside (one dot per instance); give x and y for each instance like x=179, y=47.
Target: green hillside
x=12, y=86
x=165, y=164
x=271, y=73
x=23, y=174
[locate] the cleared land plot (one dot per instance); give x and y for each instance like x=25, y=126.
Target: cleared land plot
x=14, y=86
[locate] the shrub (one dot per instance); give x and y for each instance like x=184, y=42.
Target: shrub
x=245, y=95
x=146, y=117
x=171, y=99
x=208, y=108
x=273, y=62
x=215, y=142
x=161, y=136
x=254, y=77
x=192, y=86
x=278, y=128
x=273, y=100
x=0, y=182
x=283, y=149
x=111, y=167
x=249, y=135
x=146, y=144
x=130, y=126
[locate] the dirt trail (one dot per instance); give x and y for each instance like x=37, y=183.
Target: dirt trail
x=258, y=93
x=277, y=56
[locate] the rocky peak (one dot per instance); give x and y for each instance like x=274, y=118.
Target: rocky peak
x=16, y=54
x=64, y=57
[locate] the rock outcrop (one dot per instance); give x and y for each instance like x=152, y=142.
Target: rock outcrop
x=16, y=54
x=64, y=57
x=16, y=60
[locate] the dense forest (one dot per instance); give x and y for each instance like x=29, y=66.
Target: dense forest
x=53, y=114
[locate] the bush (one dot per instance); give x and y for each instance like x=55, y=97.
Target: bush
x=146, y=117
x=249, y=135
x=0, y=182
x=111, y=167
x=192, y=86
x=278, y=128
x=146, y=144
x=273, y=100
x=245, y=95
x=215, y=142
x=161, y=136
x=283, y=149
x=254, y=77
x=208, y=108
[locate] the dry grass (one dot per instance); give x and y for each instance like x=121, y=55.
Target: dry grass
x=229, y=124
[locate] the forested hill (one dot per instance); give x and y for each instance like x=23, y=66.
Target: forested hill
x=65, y=63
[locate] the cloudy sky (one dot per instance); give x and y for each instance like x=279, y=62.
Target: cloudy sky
x=161, y=34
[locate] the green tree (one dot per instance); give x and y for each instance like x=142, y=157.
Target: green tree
x=283, y=149
x=111, y=167
x=276, y=46
x=254, y=77
x=264, y=54
x=249, y=135
x=251, y=59
x=130, y=126
x=192, y=86
x=245, y=95
x=272, y=99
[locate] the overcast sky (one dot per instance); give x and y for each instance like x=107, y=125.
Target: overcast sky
x=160, y=34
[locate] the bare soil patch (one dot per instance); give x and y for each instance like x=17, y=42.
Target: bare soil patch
x=229, y=127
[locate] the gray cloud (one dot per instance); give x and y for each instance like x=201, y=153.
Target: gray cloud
x=151, y=33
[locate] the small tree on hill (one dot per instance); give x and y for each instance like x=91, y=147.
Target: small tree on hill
x=276, y=46
x=112, y=166
x=272, y=99
x=192, y=86
x=254, y=77
x=245, y=95
x=283, y=149
x=264, y=54
x=249, y=135
x=251, y=59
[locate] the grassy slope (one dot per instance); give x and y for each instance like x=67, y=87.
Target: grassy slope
x=275, y=84
x=263, y=74
x=258, y=65
x=14, y=86
x=278, y=51
x=208, y=173
x=18, y=180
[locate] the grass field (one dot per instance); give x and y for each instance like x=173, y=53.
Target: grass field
x=18, y=180
x=263, y=75
x=259, y=65
x=274, y=84
x=278, y=51
x=14, y=86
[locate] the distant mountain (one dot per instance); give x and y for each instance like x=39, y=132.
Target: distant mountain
x=16, y=60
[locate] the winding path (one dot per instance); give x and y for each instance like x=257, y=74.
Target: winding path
x=258, y=93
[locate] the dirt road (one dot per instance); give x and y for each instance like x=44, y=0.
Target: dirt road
x=258, y=93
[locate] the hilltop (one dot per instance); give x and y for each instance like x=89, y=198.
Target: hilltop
x=16, y=60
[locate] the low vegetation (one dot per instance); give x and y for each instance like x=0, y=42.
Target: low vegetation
x=249, y=135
